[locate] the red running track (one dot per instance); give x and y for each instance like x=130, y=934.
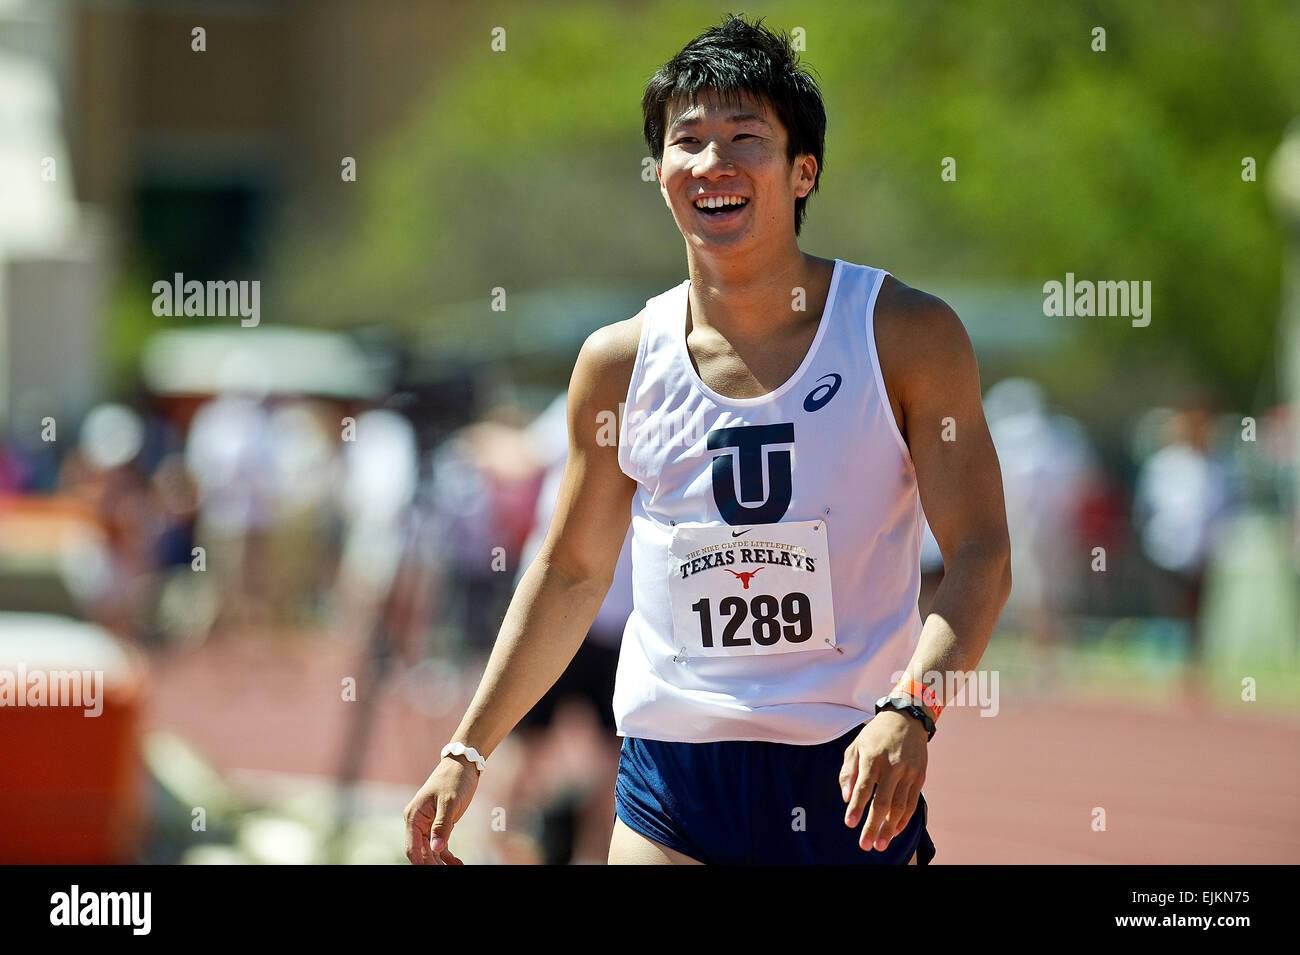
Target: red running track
x=1177, y=787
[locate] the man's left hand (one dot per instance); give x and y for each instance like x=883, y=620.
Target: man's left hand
x=888, y=757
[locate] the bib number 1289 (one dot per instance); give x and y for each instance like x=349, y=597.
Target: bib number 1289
x=789, y=618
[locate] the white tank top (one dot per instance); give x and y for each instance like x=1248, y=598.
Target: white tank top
x=775, y=540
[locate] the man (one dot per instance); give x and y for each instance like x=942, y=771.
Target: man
x=785, y=417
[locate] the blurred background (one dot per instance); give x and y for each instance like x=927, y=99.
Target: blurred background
x=288, y=545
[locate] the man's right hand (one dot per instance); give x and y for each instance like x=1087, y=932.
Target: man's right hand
x=438, y=806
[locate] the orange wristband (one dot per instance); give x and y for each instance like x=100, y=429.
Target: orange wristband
x=920, y=692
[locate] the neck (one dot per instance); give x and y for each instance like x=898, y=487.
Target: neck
x=748, y=296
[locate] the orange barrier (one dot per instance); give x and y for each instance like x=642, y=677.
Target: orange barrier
x=72, y=786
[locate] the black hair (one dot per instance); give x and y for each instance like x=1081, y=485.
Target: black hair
x=737, y=57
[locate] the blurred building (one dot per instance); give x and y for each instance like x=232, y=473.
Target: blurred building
x=195, y=153
x=52, y=246
x=123, y=143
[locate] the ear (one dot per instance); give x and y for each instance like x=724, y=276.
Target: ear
x=663, y=191
x=805, y=174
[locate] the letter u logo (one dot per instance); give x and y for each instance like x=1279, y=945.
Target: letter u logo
x=748, y=441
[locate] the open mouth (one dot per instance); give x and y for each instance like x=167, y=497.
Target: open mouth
x=721, y=205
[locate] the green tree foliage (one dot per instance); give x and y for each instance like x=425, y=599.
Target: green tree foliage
x=522, y=168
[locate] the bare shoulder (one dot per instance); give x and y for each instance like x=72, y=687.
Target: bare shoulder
x=919, y=338
x=603, y=371
x=614, y=346
x=608, y=355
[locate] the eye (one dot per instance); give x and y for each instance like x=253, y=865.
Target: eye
x=743, y=135
x=684, y=139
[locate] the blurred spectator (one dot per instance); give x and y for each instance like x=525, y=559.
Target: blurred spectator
x=231, y=456
x=13, y=475
x=375, y=497
x=34, y=461
x=305, y=460
x=484, y=487
x=1047, y=463
x=175, y=504
x=110, y=574
x=1183, y=494
x=1103, y=522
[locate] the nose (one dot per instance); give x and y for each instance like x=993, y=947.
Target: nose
x=712, y=161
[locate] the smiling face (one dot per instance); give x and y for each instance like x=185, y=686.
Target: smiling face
x=725, y=174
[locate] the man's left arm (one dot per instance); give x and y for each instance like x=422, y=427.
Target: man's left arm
x=931, y=373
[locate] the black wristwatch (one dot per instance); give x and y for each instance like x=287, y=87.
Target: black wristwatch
x=904, y=706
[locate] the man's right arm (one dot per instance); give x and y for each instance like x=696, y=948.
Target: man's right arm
x=561, y=591
x=557, y=597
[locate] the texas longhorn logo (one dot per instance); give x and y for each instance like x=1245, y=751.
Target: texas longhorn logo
x=744, y=578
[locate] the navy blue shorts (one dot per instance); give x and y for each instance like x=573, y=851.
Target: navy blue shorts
x=737, y=802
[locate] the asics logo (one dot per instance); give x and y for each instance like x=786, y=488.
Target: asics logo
x=822, y=394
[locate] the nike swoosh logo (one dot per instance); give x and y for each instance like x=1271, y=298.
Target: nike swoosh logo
x=738, y=533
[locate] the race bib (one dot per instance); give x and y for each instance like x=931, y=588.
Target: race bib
x=738, y=591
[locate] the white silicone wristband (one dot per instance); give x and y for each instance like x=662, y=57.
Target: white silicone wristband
x=469, y=752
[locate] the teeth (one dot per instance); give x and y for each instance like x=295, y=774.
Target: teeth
x=717, y=202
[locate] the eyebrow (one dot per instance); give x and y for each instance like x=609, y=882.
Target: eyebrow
x=731, y=118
